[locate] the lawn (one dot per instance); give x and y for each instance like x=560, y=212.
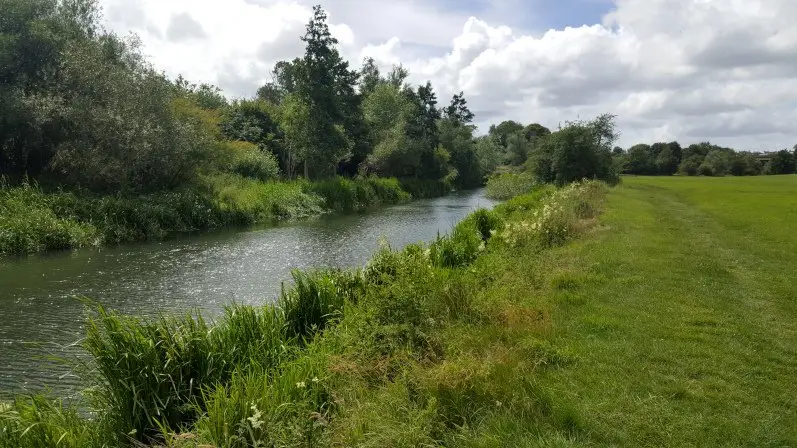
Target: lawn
x=681, y=310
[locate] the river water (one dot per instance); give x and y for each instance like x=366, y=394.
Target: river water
x=41, y=317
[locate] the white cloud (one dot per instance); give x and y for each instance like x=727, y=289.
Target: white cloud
x=686, y=69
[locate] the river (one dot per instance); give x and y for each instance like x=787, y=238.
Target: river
x=42, y=319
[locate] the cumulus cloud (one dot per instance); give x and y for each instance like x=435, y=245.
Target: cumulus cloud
x=671, y=69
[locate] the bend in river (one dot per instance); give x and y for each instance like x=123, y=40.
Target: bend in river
x=40, y=315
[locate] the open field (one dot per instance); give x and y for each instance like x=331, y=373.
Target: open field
x=682, y=312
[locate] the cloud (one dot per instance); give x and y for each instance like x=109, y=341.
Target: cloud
x=183, y=27
x=671, y=69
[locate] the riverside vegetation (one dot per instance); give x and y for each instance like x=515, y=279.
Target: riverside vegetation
x=422, y=346
x=97, y=146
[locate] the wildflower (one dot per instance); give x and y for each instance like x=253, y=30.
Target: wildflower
x=315, y=379
x=254, y=420
x=301, y=385
x=498, y=403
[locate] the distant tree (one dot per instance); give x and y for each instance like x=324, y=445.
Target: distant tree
x=370, y=76
x=745, y=164
x=691, y=165
x=535, y=130
x=457, y=139
x=503, y=130
x=640, y=160
x=518, y=148
x=580, y=150
x=458, y=110
x=782, y=163
x=717, y=163
x=489, y=153
x=617, y=151
x=668, y=159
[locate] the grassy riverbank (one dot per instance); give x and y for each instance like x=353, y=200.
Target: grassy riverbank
x=382, y=355
x=542, y=324
x=32, y=220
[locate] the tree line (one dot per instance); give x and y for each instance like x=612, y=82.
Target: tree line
x=83, y=109
x=703, y=159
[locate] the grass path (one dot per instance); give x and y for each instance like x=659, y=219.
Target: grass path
x=682, y=311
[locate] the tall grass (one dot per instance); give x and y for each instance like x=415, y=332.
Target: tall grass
x=34, y=221
x=29, y=223
x=508, y=185
x=153, y=373
x=351, y=195
x=424, y=188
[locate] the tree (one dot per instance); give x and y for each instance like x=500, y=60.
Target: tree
x=489, y=153
x=502, y=132
x=745, y=164
x=370, y=77
x=580, y=150
x=294, y=114
x=458, y=110
x=782, y=163
x=319, y=87
x=640, y=160
x=534, y=131
x=690, y=166
x=518, y=148
x=716, y=163
x=457, y=139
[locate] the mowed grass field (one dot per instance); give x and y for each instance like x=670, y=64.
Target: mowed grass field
x=681, y=310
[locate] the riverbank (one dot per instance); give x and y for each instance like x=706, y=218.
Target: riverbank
x=32, y=220
x=415, y=348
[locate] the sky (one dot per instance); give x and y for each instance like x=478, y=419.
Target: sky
x=689, y=70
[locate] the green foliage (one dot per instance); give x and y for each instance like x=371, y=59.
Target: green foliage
x=348, y=195
x=424, y=188
x=28, y=223
x=508, y=185
x=782, y=163
x=39, y=422
x=316, y=300
x=153, y=373
x=250, y=161
x=580, y=150
x=284, y=407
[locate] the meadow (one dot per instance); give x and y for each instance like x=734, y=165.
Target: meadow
x=660, y=312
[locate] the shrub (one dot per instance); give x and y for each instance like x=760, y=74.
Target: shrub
x=253, y=162
x=508, y=185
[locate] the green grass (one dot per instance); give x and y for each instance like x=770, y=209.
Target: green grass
x=661, y=314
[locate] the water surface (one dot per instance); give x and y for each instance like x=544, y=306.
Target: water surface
x=40, y=316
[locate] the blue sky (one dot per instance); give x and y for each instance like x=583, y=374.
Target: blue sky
x=536, y=15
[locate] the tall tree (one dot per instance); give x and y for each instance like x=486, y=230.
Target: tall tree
x=458, y=109
x=320, y=86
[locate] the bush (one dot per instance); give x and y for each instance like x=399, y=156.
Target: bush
x=253, y=162
x=508, y=185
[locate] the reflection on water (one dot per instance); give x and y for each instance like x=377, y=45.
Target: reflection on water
x=41, y=317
